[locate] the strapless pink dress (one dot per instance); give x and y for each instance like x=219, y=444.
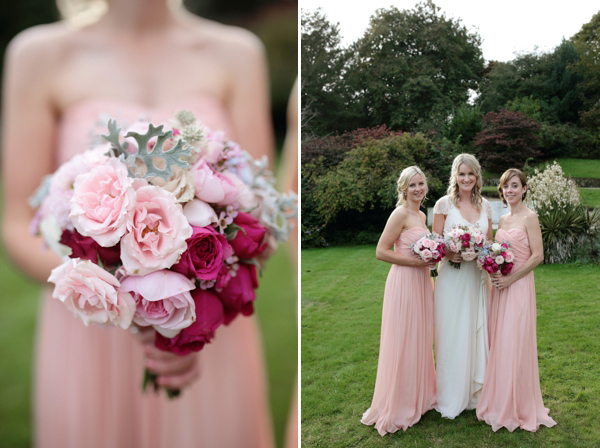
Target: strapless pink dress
x=405, y=383
x=88, y=379
x=511, y=395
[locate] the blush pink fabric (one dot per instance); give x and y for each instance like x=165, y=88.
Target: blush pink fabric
x=405, y=383
x=511, y=395
x=88, y=379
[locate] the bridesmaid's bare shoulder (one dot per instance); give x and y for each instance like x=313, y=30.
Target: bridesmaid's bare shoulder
x=233, y=44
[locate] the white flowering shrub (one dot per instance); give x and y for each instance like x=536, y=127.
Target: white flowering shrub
x=556, y=200
x=550, y=189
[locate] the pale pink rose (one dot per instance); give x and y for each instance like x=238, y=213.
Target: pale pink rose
x=244, y=195
x=427, y=243
x=101, y=200
x=156, y=232
x=426, y=254
x=499, y=259
x=60, y=190
x=454, y=234
x=435, y=254
x=91, y=293
x=199, y=213
x=214, y=147
x=211, y=186
x=479, y=238
x=509, y=257
x=453, y=246
x=163, y=300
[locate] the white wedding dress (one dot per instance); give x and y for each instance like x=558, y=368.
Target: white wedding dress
x=461, y=301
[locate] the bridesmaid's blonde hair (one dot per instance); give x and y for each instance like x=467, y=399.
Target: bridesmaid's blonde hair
x=453, y=190
x=404, y=181
x=80, y=13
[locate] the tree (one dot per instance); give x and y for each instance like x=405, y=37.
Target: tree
x=508, y=139
x=412, y=68
x=587, y=42
x=322, y=63
x=547, y=78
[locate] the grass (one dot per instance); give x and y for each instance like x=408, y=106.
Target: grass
x=275, y=308
x=342, y=291
x=576, y=168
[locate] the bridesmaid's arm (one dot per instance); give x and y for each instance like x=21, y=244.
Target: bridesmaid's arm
x=393, y=228
x=249, y=102
x=534, y=234
x=29, y=128
x=490, y=230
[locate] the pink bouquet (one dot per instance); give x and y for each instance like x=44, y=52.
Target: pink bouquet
x=468, y=240
x=430, y=247
x=496, y=257
x=161, y=228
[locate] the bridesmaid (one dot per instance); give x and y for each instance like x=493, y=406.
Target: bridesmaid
x=405, y=383
x=511, y=395
x=461, y=295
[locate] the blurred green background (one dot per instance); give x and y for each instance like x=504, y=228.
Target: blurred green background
x=276, y=24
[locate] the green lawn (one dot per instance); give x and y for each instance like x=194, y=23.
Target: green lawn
x=586, y=168
x=342, y=291
x=275, y=307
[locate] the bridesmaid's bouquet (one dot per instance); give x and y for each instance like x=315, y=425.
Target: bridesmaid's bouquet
x=164, y=226
x=467, y=240
x=430, y=247
x=496, y=257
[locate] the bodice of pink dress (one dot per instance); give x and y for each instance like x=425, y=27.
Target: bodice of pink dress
x=88, y=379
x=405, y=382
x=511, y=395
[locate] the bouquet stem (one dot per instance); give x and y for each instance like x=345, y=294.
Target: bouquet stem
x=454, y=264
x=150, y=378
x=433, y=272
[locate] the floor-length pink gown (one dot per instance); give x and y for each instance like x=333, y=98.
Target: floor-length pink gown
x=405, y=382
x=88, y=379
x=511, y=395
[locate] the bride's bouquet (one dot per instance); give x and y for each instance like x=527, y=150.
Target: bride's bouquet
x=165, y=226
x=467, y=240
x=430, y=247
x=496, y=257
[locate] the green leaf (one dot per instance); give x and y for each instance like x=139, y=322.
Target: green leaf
x=113, y=138
x=177, y=155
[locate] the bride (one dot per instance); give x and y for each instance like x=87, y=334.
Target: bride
x=461, y=295
x=143, y=57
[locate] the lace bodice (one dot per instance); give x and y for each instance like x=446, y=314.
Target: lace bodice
x=446, y=207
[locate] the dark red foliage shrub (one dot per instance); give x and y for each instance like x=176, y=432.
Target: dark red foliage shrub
x=334, y=147
x=507, y=140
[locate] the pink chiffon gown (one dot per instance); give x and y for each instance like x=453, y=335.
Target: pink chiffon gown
x=511, y=395
x=88, y=379
x=405, y=382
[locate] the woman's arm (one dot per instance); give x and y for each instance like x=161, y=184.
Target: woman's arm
x=249, y=100
x=534, y=233
x=391, y=232
x=29, y=134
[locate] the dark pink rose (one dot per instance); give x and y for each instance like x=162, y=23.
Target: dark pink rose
x=87, y=248
x=250, y=241
x=238, y=295
x=223, y=278
x=209, y=315
x=206, y=251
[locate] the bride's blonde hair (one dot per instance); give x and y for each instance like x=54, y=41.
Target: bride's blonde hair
x=80, y=13
x=404, y=181
x=453, y=190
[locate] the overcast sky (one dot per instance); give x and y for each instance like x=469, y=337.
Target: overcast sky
x=506, y=28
